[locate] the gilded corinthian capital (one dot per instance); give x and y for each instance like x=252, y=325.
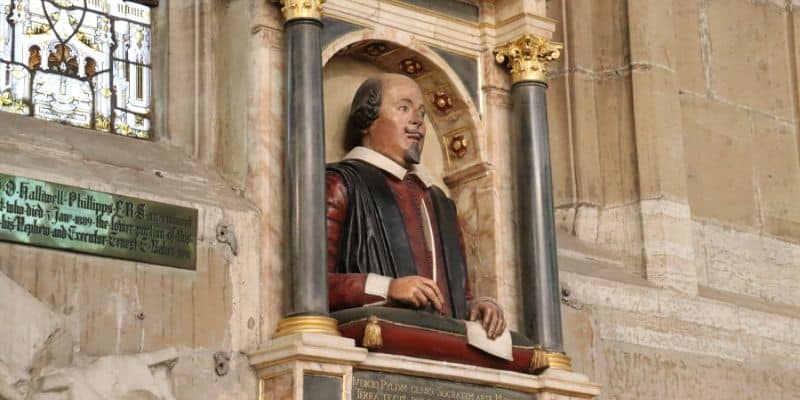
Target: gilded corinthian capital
x=527, y=57
x=293, y=9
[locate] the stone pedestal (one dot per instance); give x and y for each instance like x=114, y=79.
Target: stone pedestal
x=306, y=366
x=309, y=366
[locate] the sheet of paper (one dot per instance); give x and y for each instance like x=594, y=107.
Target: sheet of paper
x=500, y=346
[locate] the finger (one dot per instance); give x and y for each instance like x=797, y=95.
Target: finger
x=473, y=314
x=431, y=284
x=487, y=318
x=495, y=325
x=490, y=320
x=431, y=297
x=422, y=300
x=411, y=299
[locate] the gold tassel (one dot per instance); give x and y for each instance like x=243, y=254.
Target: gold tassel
x=539, y=361
x=372, y=334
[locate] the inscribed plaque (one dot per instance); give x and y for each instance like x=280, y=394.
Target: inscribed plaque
x=320, y=387
x=69, y=218
x=372, y=385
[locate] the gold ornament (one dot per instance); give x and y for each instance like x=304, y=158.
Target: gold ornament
x=9, y=103
x=294, y=9
x=411, y=66
x=373, y=338
x=442, y=101
x=559, y=361
x=307, y=324
x=102, y=124
x=458, y=146
x=539, y=361
x=6, y=99
x=527, y=57
x=376, y=49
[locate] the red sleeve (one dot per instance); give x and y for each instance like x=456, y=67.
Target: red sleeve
x=344, y=290
x=336, y=199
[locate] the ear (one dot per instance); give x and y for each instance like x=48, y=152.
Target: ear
x=366, y=131
x=365, y=137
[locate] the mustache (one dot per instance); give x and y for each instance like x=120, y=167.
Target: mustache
x=415, y=132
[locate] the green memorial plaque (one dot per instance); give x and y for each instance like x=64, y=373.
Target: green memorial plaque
x=69, y=218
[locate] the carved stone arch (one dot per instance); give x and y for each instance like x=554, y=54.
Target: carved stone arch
x=451, y=111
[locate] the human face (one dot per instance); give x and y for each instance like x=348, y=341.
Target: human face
x=399, y=131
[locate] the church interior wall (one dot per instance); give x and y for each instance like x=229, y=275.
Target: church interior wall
x=737, y=150
x=207, y=135
x=743, y=188
x=219, y=146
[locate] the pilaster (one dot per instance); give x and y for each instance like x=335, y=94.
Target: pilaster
x=666, y=217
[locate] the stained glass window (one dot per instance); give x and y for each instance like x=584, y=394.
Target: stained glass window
x=84, y=63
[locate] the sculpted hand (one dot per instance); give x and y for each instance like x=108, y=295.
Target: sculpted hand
x=491, y=317
x=416, y=291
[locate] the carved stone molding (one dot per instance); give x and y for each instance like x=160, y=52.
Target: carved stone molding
x=294, y=9
x=527, y=57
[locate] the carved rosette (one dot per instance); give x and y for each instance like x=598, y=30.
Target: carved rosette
x=527, y=57
x=411, y=66
x=294, y=9
x=376, y=49
x=459, y=146
x=442, y=101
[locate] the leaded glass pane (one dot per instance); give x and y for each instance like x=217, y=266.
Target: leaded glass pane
x=84, y=63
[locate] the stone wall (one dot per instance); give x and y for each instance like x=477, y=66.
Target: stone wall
x=141, y=331
x=674, y=137
x=691, y=105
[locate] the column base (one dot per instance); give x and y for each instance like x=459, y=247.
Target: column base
x=559, y=361
x=307, y=324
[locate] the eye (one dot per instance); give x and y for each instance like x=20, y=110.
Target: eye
x=403, y=108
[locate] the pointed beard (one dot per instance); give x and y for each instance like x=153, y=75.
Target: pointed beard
x=413, y=153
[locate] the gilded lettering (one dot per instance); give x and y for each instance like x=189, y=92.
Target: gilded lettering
x=362, y=394
x=53, y=215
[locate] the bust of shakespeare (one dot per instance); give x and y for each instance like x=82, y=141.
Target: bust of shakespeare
x=393, y=237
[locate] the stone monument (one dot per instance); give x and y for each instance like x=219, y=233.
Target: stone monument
x=392, y=286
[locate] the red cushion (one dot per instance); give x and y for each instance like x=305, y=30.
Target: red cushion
x=435, y=340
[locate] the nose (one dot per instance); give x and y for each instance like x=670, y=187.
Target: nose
x=418, y=118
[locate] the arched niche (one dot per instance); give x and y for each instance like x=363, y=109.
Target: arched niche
x=463, y=171
x=452, y=117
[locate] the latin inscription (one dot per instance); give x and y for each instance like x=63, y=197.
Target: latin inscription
x=369, y=385
x=64, y=217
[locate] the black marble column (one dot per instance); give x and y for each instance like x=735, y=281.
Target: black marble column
x=536, y=226
x=305, y=167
